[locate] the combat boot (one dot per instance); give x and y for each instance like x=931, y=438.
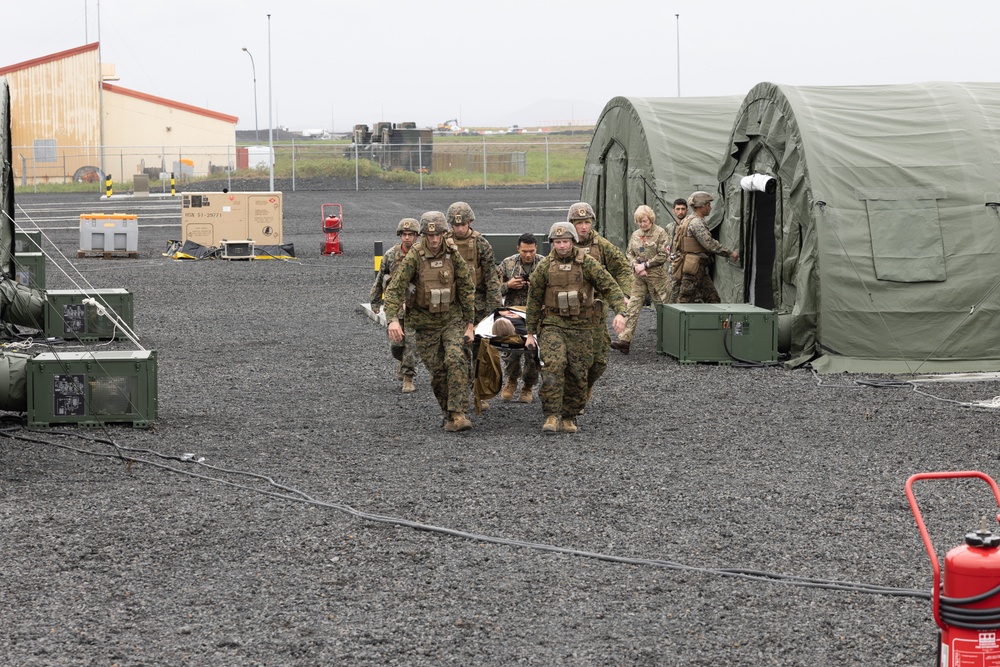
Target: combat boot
x=408, y=387
x=399, y=370
x=621, y=345
x=551, y=425
x=459, y=422
x=508, y=390
x=483, y=406
x=525, y=395
x=568, y=425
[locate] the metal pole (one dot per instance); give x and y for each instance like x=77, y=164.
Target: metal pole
x=293, y=164
x=100, y=84
x=270, y=125
x=678, y=54
x=484, y=162
x=256, y=125
x=420, y=162
x=546, y=162
x=229, y=169
x=356, y=186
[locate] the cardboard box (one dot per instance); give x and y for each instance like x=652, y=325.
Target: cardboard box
x=212, y=217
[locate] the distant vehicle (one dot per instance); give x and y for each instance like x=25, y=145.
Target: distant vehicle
x=514, y=129
x=315, y=134
x=449, y=126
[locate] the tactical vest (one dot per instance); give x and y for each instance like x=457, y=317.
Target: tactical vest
x=568, y=293
x=593, y=249
x=435, y=284
x=690, y=243
x=467, y=248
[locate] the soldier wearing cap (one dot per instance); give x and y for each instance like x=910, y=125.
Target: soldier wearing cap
x=692, y=244
x=407, y=230
x=562, y=315
x=435, y=283
x=581, y=216
x=478, y=255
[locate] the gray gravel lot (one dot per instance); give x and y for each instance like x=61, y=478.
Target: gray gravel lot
x=270, y=368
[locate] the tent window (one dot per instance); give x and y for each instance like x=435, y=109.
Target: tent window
x=906, y=240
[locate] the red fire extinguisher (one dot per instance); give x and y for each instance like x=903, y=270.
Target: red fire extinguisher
x=968, y=609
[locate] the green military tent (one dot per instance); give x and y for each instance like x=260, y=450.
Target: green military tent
x=878, y=239
x=651, y=150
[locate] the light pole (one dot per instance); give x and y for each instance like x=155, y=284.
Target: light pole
x=256, y=125
x=270, y=124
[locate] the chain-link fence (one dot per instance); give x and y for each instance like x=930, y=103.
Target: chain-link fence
x=413, y=162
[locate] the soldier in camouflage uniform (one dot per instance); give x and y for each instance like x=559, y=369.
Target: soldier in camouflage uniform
x=648, y=252
x=561, y=319
x=478, y=255
x=436, y=284
x=407, y=230
x=514, y=279
x=581, y=215
x=691, y=245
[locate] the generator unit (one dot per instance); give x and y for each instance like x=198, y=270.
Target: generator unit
x=92, y=388
x=242, y=249
x=210, y=218
x=29, y=269
x=716, y=332
x=70, y=314
x=115, y=233
x=27, y=241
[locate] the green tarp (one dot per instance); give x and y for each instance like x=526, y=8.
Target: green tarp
x=651, y=151
x=880, y=248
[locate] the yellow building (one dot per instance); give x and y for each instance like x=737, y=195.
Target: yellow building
x=56, y=130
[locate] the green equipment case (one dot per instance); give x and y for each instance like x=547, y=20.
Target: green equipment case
x=29, y=269
x=92, y=388
x=67, y=316
x=716, y=332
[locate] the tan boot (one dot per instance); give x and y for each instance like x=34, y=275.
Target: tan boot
x=460, y=422
x=568, y=425
x=484, y=406
x=551, y=425
x=525, y=395
x=508, y=390
x=408, y=387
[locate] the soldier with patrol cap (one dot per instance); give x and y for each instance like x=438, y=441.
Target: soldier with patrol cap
x=613, y=260
x=435, y=283
x=562, y=315
x=405, y=353
x=692, y=244
x=478, y=255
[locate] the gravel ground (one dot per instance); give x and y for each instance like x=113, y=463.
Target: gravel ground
x=271, y=369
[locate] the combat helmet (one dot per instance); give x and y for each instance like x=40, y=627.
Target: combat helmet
x=699, y=198
x=580, y=211
x=561, y=230
x=407, y=225
x=432, y=222
x=460, y=212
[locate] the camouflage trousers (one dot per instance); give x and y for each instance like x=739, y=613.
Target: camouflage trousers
x=443, y=353
x=697, y=288
x=408, y=364
x=567, y=354
x=600, y=345
x=512, y=362
x=658, y=288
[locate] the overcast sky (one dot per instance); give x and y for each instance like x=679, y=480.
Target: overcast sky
x=335, y=63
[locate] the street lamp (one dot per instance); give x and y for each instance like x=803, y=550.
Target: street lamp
x=256, y=127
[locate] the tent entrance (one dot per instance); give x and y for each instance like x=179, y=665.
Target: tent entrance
x=611, y=213
x=761, y=209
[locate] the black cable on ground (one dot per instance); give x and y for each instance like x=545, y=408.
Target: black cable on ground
x=294, y=495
